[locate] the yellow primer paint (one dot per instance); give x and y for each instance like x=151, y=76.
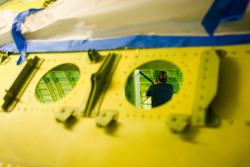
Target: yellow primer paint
x=22, y=5
x=31, y=136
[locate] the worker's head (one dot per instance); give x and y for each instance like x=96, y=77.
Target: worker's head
x=162, y=76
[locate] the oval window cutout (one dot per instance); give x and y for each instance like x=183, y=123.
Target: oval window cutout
x=143, y=88
x=57, y=83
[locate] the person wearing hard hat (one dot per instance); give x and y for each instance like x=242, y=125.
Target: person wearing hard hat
x=161, y=92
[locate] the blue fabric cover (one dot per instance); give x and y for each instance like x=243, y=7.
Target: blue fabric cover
x=223, y=11
x=17, y=35
x=133, y=41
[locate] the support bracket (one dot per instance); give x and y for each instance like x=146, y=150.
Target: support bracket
x=104, y=119
x=18, y=85
x=65, y=113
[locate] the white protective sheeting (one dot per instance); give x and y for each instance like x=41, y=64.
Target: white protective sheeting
x=6, y=18
x=93, y=19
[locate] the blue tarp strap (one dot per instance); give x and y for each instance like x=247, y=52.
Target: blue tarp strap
x=17, y=35
x=132, y=41
x=223, y=11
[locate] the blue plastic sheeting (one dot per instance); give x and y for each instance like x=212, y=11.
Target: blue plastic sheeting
x=133, y=41
x=223, y=11
x=17, y=35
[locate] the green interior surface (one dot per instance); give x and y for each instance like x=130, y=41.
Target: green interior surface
x=151, y=70
x=57, y=83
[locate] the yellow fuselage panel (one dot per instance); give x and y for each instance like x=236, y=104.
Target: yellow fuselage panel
x=22, y=5
x=30, y=135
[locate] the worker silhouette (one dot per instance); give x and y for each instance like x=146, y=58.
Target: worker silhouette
x=161, y=92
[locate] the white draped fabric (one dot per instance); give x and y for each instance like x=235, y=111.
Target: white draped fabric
x=95, y=19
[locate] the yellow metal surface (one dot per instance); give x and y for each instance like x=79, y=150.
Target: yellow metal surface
x=31, y=136
x=22, y=5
